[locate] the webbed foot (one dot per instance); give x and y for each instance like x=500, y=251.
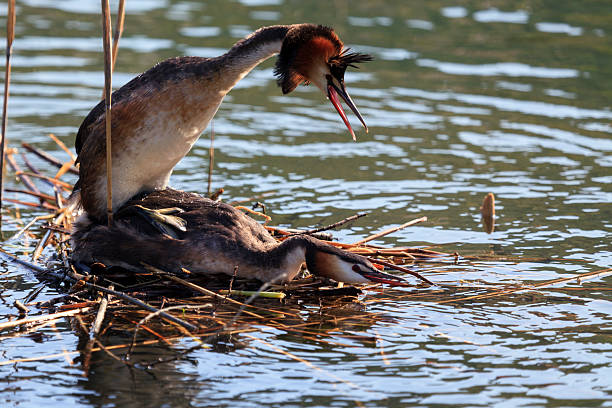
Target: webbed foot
x=161, y=219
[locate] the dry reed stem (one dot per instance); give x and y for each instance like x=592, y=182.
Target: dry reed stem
x=578, y=278
x=22, y=308
x=108, y=75
x=51, y=180
x=42, y=196
x=118, y=31
x=250, y=211
x=33, y=294
x=33, y=169
x=48, y=158
x=97, y=325
x=64, y=169
x=29, y=331
x=150, y=331
x=331, y=226
x=143, y=305
x=10, y=36
x=390, y=230
x=42, y=243
x=62, y=146
x=23, y=177
x=89, y=350
x=85, y=351
x=159, y=312
x=44, y=205
x=41, y=318
x=196, y=288
x=13, y=258
x=211, y=157
x=381, y=348
x=248, y=293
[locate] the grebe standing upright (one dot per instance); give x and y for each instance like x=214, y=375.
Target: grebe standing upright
x=156, y=119
x=158, y=116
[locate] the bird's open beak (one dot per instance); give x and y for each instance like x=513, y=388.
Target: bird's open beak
x=332, y=93
x=374, y=275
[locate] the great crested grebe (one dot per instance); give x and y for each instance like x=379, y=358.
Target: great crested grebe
x=218, y=239
x=156, y=118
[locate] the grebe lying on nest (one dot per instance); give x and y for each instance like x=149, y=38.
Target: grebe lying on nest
x=217, y=238
x=156, y=118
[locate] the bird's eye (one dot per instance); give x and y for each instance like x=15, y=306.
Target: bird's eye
x=337, y=72
x=356, y=268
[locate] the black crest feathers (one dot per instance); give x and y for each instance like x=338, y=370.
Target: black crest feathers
x=302, y=44
x=339, y=63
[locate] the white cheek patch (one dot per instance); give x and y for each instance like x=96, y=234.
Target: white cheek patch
x=317, y=75
x=342, y=271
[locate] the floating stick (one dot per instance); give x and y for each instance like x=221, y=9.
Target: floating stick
x=246, y=293
x=391, y=230
x=42, y=318
x=10, y=36
x=331, y=226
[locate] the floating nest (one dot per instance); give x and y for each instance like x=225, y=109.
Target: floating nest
x=165, y=306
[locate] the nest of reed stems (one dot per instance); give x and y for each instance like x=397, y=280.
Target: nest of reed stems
x=163, y=307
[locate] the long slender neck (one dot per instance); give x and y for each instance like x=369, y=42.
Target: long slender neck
x=283, y=262
x=247, y=53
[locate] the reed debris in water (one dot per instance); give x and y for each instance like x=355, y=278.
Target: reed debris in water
x=487, y=212
x=163, y=306
x=10, y=36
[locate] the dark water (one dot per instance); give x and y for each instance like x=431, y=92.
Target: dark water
x=464, y=98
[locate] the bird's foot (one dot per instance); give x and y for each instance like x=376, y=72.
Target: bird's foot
x=161, y=219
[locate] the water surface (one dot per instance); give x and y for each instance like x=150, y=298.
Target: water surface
x=462, y=99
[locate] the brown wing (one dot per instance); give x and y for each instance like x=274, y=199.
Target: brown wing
x=173, y=69
x=83, y=132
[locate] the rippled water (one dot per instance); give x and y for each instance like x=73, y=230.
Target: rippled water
x=463, y=99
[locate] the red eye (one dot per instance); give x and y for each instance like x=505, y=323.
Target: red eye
x=356, y=268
